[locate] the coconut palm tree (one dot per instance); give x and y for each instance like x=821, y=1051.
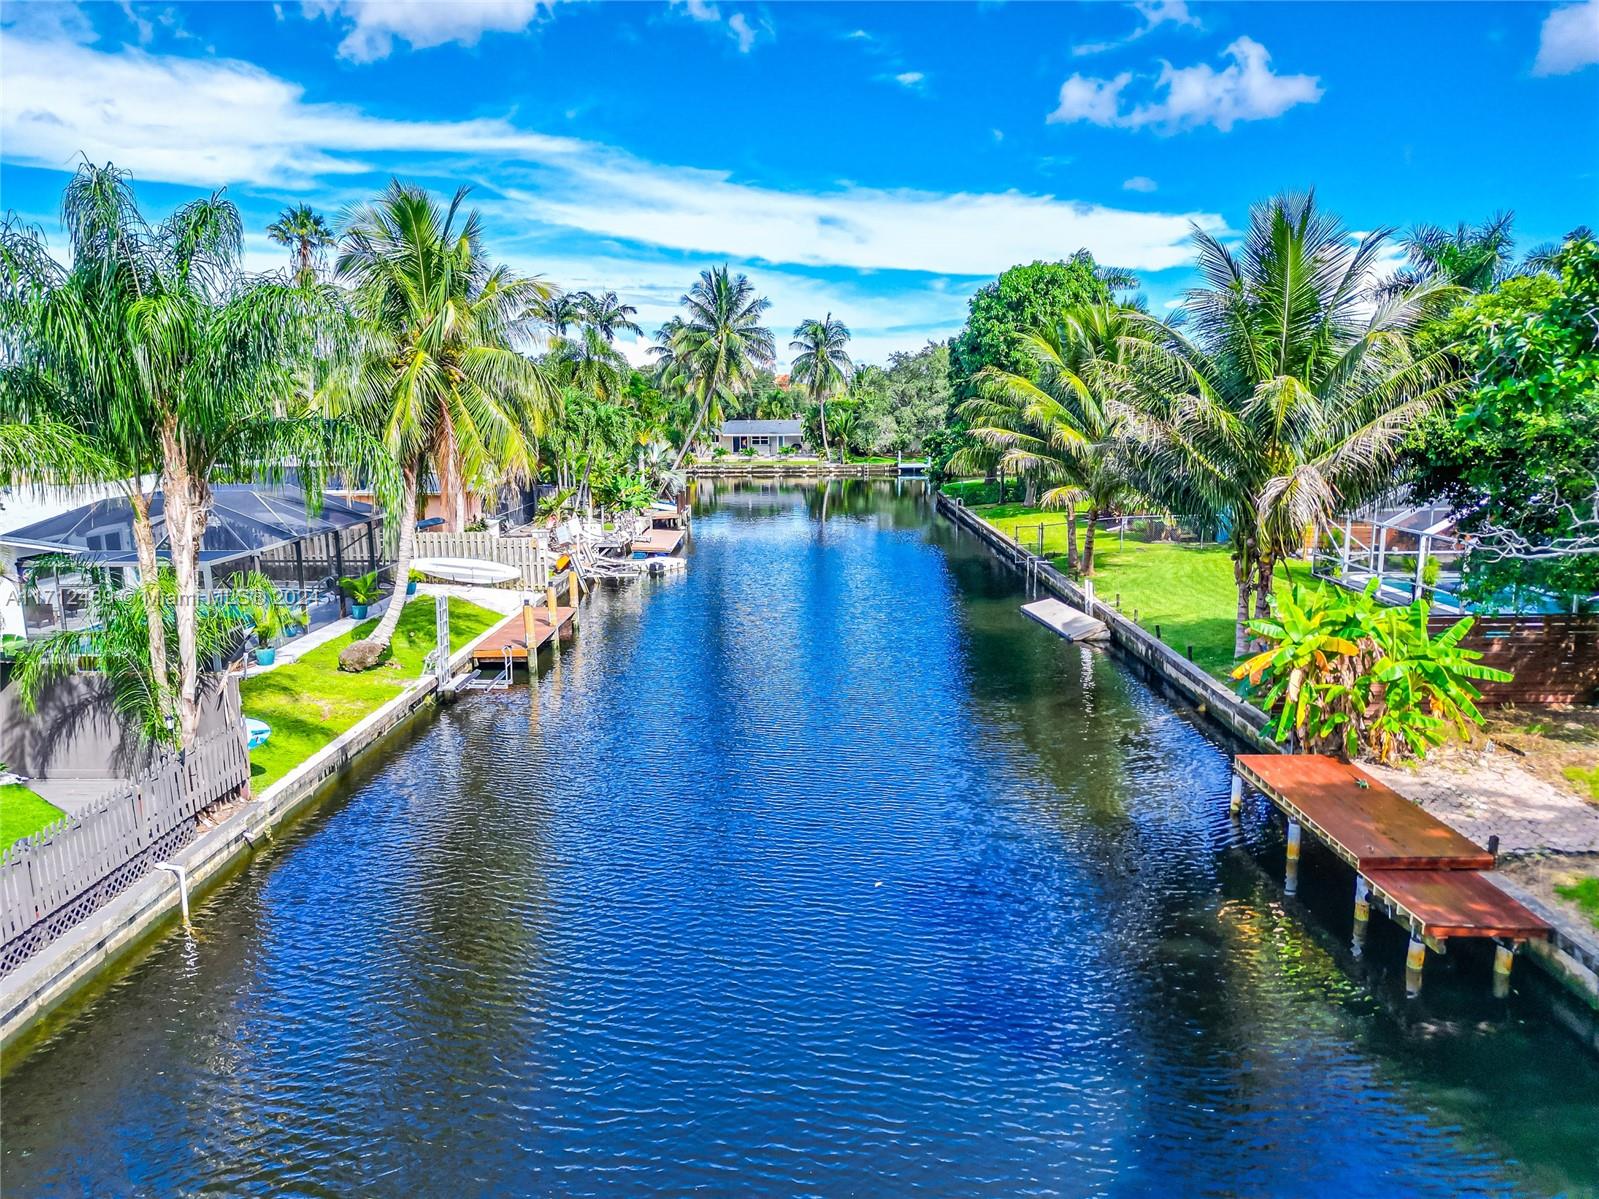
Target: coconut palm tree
x=1063, y=429
x=439, y=378
x=606, y=314
x=717, y=345
x=590, y=364
x=1291, y=392
x=560, y=310
x=821, y=363
x=308, y=237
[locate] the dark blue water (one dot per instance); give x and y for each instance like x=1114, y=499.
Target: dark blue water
x=816, y=871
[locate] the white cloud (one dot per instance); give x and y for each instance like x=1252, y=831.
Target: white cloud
x=1139, y=183
x=1569, y=39
x=910, y=79
x=1155, y=13
x=375, y=24
x=1246, y=90
x=204, y=121
x=1097, y=101
x=739, y=27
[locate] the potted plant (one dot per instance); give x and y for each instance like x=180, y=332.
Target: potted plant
x=269, y=625
x=411, y=580
x=362, y=591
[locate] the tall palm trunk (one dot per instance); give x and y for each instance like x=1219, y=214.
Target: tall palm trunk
x=405, y=551
x=185, y=501
x=694, y=430
x=1244, y=580
x=827, y=452
x=1263, y=572
x=150, y=587
x=1071, y=537
x=1088, y=543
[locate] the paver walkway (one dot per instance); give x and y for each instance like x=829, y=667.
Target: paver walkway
x=1483, y=794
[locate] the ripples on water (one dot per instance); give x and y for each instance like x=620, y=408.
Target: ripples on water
x=816, y=871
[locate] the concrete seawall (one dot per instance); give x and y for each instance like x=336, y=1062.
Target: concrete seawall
x=1158, y=660
x=91, y=950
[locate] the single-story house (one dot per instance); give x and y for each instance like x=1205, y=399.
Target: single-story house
x=767, y=438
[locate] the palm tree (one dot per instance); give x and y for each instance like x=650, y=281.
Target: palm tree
x=560, y=310
x=308, y=237
x=717, y=345
x=821, y=363
x=590, y=364
x=608, y=315
x=155, y=352
x=1290, y=398
x=1475, y=259
x=1064, y=429
x=439, y=378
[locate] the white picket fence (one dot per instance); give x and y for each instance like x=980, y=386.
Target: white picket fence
x=520, y=552
x=51, y=880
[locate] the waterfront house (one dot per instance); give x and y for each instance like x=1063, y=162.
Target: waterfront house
x=764, y=438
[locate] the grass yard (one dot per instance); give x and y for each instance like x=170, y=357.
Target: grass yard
x=1585, y=894
x=23, y=812
x=1187, y=590
x=310, y=702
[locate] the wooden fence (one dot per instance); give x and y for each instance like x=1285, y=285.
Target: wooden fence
x=1555, y=659
x=520, y=552
x=50, y=881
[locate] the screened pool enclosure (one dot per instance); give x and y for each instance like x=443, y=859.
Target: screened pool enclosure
x=250, y=527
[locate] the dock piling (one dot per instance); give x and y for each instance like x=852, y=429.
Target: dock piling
x=1291, y=875
x=1504, y=959
x=1362, y=912
x=1415, y=959
x=1237, y=803
x=530, y=634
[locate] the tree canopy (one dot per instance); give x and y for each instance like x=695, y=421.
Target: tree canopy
x=1024, y=297
x=1519, y=450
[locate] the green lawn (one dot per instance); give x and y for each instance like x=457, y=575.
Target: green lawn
x=310, y=702
x=22, y=813
x=1585, y=895
x=1186, y=590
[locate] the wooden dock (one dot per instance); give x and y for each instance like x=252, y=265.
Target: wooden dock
x=1060, y=617
x=657, y=541
x=1424, y=874
x=512, y=634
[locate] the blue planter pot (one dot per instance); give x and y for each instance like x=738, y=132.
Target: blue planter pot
x=410, y=588
x=266, y=655
x=358, y=611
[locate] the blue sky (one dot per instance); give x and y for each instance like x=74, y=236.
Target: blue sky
x=877, y=160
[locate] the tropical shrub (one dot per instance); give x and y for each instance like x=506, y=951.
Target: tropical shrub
x=1349, y=675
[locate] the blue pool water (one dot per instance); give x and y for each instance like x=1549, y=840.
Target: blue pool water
x=816, y=870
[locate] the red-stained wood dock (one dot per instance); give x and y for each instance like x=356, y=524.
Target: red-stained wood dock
x=512, y=634
x=1428, y=877
x=1367, y=824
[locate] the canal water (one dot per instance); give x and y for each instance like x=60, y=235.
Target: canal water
x=815, y=871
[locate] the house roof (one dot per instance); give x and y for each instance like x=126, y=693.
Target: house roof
x=741, y=428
